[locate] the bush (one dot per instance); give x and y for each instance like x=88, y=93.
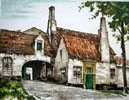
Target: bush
x=12, y=90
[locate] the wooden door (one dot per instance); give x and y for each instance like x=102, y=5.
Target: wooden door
x=89, y=81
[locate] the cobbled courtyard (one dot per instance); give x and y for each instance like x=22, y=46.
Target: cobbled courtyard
x=51, y=91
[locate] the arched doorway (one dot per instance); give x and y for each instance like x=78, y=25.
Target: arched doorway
x=37, y=70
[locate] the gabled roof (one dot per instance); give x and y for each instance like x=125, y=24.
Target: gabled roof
x=81, y=48
x=12, y=42
x=33, y=30
x=92, y=38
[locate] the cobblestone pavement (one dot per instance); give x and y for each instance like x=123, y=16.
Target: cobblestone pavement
x=50, y=91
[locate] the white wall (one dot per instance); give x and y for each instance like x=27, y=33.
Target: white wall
x=102, y=73
x=20, y=60
x=120, y=77
x=61, y=62
x=73, y=62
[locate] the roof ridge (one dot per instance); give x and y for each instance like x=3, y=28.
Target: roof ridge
x=17, y=32
x=34, y=28
x=77, y=31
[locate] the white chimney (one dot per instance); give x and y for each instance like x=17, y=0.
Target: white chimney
x=104, y=42
x=51, y=29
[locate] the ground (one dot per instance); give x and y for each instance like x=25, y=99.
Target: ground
x=51, y=91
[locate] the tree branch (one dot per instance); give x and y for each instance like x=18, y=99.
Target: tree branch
x=119, y=30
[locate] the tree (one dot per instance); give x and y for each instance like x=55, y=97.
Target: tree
x=119, y=13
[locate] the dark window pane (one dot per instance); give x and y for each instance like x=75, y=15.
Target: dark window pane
x=89, y=70
x=112, y=73
x=7, y=62
x=39, y=46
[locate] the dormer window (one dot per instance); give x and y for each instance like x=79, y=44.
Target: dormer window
x=39, y=45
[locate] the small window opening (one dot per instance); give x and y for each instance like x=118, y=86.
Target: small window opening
x=39, y=46
x=112, y=73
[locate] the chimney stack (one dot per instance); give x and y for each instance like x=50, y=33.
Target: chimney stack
x=104, y=42
x=52, y=13
x=51, y=29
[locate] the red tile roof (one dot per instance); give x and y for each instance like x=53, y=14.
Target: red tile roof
x=119, y=60
x=81, y=48
x=93, y=38
x=12, y=42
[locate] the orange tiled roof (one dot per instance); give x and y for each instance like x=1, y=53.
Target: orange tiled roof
x=94, y=38
x=81, y=48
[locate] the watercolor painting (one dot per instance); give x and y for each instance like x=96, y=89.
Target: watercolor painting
x=64, y=50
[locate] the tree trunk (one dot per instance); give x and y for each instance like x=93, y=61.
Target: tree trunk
x=123, y=58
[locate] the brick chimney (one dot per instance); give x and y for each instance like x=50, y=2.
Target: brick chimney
x=51, y=29
x=104, y=41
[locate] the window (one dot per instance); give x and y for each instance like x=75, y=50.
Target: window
x=77, y=72
x=112, y=73
x=7, y=62
x=61, y=54
x=39, y=46
x=89, y=70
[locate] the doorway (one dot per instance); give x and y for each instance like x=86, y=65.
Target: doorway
x=89, y=81
x=36, y=70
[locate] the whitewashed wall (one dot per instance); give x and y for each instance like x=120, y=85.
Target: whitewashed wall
x=73, y=62
x=114, y=80
x=120, y=76
x=102, y=73
x=20, y=60
x=61, y=62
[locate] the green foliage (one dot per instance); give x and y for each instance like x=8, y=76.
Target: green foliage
x=13, y=91
x=117, y=11
x=117, y=36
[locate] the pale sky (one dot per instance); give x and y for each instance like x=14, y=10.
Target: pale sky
x=24, y=14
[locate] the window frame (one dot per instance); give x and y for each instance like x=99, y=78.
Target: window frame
x=7, y=63
x=41, y=47
x=77, y=74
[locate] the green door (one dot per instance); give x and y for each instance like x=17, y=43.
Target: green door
x=89, y=81
x=24, y=72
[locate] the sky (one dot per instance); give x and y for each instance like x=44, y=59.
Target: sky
x=25, y=14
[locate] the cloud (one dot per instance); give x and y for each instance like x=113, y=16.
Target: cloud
x=15, y=8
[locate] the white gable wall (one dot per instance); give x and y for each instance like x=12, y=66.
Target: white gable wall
x=61, y=62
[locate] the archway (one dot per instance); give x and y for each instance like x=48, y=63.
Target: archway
x=37, y=70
